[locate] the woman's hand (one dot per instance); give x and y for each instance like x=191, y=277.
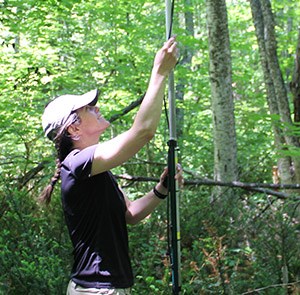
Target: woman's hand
x=166, y=58
x=162, y=185
x=142, y=207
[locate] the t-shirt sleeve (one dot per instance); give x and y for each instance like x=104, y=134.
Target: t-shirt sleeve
x=79, y=162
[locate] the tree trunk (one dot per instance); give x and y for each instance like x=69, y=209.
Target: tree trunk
x=280, y=89
x=289, y=167
x=279, y=141
x=295, y=83
x=225, y=150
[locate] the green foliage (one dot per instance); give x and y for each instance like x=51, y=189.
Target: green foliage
x=53, y=47
x=34, y=247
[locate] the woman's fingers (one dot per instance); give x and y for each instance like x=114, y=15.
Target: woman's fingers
x=179, y=175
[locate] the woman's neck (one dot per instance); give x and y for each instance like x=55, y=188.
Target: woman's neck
x=83, y=143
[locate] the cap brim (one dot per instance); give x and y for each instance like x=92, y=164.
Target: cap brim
x=95, y=100
x=89, y=98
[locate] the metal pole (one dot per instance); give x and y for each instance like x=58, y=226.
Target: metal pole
x=172, y=161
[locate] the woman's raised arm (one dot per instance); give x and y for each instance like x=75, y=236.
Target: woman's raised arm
x=118, y=150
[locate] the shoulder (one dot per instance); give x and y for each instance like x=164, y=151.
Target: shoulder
x=79, y=162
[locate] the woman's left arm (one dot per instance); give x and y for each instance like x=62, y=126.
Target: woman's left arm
x=138, y=209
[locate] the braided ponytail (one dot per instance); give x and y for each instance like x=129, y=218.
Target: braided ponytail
x=63, y=144
x=45, y=196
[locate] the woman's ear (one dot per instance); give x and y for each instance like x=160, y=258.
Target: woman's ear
x=74, y=131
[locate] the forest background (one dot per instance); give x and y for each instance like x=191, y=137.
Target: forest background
x=237, y=97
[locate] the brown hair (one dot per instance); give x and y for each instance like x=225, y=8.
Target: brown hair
x=63, y=145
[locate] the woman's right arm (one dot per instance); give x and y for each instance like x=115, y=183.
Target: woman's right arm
x=118, y=150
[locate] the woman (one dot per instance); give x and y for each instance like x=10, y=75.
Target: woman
x=95, y=208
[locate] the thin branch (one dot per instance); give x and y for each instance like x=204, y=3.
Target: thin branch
x=31, y=174
x=206, y=181
x=126, y=110
x=265, y=188
x=137, y=178
x=257, y=187
x=271, y=286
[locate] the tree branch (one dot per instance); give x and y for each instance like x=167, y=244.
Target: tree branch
x=23, y=180
x=126, y=110
x=271, y=286
x=257, y=187
x=265, y=188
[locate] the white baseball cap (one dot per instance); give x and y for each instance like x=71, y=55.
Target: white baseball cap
x=58, y=110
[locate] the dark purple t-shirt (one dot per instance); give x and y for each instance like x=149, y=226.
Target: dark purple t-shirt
x=94, y=209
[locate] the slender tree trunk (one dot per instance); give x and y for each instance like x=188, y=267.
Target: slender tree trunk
x=280, y=88
x=295, y=83
x=289, y=167
x=283, y=163
x=225, y=150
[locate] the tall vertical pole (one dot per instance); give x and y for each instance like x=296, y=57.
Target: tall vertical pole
x=172, y=161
